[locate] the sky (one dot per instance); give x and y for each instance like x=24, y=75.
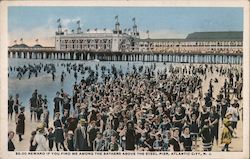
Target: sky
x=31, y=23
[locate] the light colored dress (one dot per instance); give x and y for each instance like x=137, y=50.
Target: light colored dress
x=226, y=136
x=42, y=143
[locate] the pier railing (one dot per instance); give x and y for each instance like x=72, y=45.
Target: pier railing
x=175, y=57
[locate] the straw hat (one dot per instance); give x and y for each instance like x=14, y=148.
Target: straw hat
x=40, y=126
x=82, y=121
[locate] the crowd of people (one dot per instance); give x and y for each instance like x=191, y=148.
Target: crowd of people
x=144, y=109
x=32, y=70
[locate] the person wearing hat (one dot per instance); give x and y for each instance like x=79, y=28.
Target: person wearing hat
x=226, y=136
x=40, y=140
x=80, y=136
x=20, y=125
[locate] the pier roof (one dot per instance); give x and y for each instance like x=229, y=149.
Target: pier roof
x=203, y=36
x=216, y=35
x=20, y=46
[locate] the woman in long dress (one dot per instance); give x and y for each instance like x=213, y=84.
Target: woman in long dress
x=226, y=136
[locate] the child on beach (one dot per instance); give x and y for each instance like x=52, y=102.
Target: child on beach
x=11, y=146
x=32, y=147
x=70, y=140
x=51, y=138
x=113, y=146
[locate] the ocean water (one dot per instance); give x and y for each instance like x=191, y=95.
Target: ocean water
x=46, y=86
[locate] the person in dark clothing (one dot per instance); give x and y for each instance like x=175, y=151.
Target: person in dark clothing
x=39, y=109
x=33, y=106
x=204, y=115
x=10, y=107
x=178, y=119
x=186, y=139
x=20, y=126
x=130, y=137
x=174, y=140
x=11, y=146
x=214, y=124
x=224, y=106
x=32, y=147
x=72, y=123
x=205, y=134
x=51, y=138
x=70, y=140
x=208, y=100
x=59, y=137
x=57, y=103
x=80, y=137
x=92, y=132
x=16, y=105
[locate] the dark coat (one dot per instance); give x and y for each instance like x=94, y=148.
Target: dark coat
x=59, y=137
x=11, y=146
x=130, y=139
x=80, y=140
x=20, y=127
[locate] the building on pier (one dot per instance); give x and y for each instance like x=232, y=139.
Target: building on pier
x=198, y=42
x=116, y=40
x=130, y=41
x=126, y=45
